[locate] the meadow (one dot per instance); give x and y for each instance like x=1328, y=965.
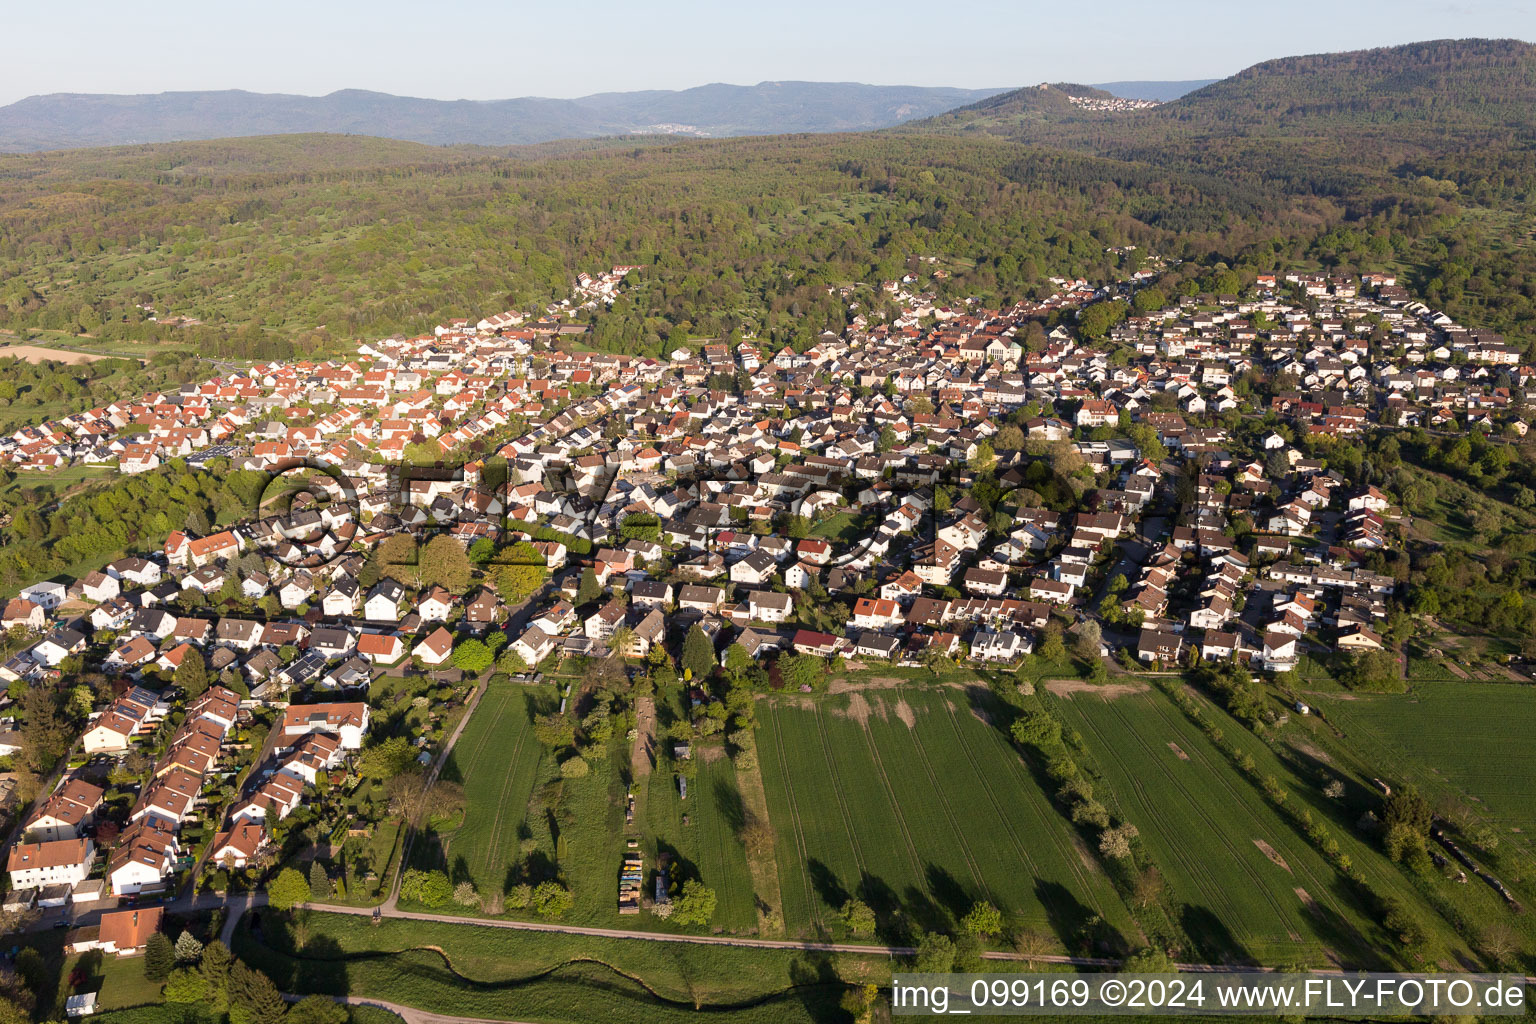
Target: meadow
x=497, y=760
x=700, y=833
x=478, y=971
x=911, y=800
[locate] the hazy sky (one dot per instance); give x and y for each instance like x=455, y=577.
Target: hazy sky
x=485, y=49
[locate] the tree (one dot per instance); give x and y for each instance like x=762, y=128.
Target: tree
x=1149, y=961
x=695, y=905
x=472, y=656
x=802, y=670
x=444, y=563
x=287, y=890
x=464, y=894
x=737, y=662
x=159, y=957
x=188, y=949
x=1051, y=648
x=1010, y=438
x=1089, y=639
x=192, y=674
x=858, y=918
x=185, y=985
x=253, y=998
x=935, y=954
x=698, y=653
x=554, y=730
x=387, y=759
x=589, y=589
x=317, y=1010
x=215, y=971
x=1116, y=842
x=515, y=582
x=405, y=796
x=431, y=888
x=319, y=881
x=983, y=920
x=551, y=900
x=984, y=459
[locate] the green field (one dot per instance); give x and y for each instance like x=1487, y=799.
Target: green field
x=497, y=760
x=1467, y=741
x=1203, y=822
x=476, y=971
x=908, y=799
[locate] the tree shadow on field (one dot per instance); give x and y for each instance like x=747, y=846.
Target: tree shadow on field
x=947, y=891
x=729, y=803
x=825, y=882
x=891, y=922
x=1211, y=938
x=924, y=912
x=1072, y=919
x=815, y=982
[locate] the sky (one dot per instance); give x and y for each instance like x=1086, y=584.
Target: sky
x=485, y=49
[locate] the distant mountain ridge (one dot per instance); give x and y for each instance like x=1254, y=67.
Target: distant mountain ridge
x=75, y=120
x=72, y=120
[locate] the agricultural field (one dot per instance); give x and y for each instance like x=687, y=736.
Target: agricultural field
x=1429, y=737
x=1252, y=888
x=497, y=760
x=910, y=799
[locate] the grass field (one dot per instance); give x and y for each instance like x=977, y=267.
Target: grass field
x=471, y=971
x=700, y=833
x=497, y=760
x=1429, y=737
x=907, y=798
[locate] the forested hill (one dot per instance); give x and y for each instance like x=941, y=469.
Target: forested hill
x=304, y=243
x=1485, y=82
x=1469, y=83
x=71, y=120
x=1462, y=111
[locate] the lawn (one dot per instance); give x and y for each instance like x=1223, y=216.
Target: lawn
x=910, y=799
x=472, y=971
x=842, y=528
x=1251, y=887
x=120, y=980
x=497, y=760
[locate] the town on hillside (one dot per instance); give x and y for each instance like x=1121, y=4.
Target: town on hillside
x=955, y=484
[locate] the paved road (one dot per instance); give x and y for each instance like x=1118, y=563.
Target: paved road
x=409, y=1014
x=700, y=940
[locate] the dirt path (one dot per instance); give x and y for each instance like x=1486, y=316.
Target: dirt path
x=1105, y=691
x=644, y=750
x=437, y=767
